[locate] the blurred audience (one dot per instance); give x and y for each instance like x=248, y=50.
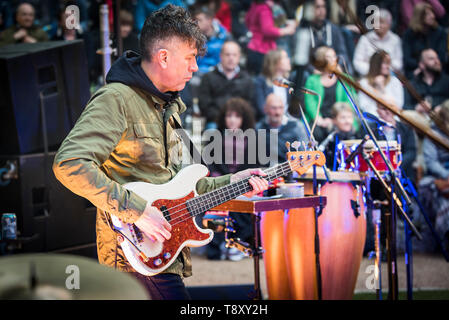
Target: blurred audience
x=434, y=187
x=342, y=115
x=287, y=129
x=407, y=7
x=403, y=135
x=235, y=117
x=430, y=82
x=145, y=7
x=379, y=39
x=316, y=31
x=216, y=35
x=24, y=31
x=130, y=40
x=423, y=32
x=6, y=16
x=260, y=22
x=381, y=82
x=276, y=64
x=226, y=80
x=329, y=89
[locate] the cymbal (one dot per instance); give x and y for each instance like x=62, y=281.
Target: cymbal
x=64, y=277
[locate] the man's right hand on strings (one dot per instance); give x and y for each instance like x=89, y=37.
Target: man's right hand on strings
x=153, y=224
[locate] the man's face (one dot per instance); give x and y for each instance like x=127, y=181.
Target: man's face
x=344, y=120
x=204, y=22
x=274, y=109
x=230, y=56
x=320, y=10
x=430, y=61
x=25, y=15
x=179, y=65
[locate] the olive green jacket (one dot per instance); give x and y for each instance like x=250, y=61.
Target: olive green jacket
x=119, y=138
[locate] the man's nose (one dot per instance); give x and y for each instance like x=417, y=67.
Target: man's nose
x=194, y=66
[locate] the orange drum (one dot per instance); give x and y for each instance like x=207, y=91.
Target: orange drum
x=391, y=149
x=272, y=238
x=342, y=232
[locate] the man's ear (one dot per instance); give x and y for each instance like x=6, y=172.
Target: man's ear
x=162, y=58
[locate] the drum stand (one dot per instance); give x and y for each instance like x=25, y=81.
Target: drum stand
x=395, y=203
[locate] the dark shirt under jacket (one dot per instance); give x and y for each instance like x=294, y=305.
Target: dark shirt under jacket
x=438, y=90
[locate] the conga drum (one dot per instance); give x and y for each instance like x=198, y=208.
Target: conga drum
x=273, y=243
x=272, y=240
x=342, y=231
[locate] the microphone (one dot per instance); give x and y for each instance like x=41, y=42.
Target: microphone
x=357, y=150
x=372, y=117
x=284, y=83
x=326, y=141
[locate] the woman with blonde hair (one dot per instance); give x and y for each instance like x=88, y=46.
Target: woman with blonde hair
x=423, y=32
x=276, y=64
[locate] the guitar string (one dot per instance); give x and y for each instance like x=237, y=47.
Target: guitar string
x=238, y=184
x=196, y=212
x=245, y=180
x=193, y=213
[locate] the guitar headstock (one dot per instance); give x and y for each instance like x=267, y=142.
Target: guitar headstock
x=301, y=161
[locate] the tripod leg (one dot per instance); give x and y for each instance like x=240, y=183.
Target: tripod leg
x=409, y=261
x=378, y=270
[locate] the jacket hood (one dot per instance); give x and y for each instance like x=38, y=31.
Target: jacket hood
x=127, y=70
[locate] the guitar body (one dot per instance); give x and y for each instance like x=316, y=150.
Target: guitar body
x=185, y=231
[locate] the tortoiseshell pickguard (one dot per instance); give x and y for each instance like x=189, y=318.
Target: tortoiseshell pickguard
x=183, y=228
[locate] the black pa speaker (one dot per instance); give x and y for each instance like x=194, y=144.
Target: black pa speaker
x=44, y=88
x=49, y=216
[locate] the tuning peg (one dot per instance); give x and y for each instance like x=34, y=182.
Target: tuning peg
x=312, y=144
x=296, y=145
x=287, y=144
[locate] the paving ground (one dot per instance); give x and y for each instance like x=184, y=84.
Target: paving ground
x=430, y=272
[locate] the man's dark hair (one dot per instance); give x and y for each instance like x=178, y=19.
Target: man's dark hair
x=166, y=23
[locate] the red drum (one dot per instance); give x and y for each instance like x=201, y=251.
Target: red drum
x=391, y=149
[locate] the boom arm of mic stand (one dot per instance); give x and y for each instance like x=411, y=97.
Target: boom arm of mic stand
x=367, y=158
x=312, y=138
x=371, y=134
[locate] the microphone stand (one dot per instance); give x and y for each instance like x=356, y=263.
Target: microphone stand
x=391, y=219
x=313, y=145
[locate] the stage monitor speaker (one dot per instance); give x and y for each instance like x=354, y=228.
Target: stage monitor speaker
x=42, y=85
x=49, y=216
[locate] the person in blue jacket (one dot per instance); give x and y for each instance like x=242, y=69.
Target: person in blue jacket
x=145, y=7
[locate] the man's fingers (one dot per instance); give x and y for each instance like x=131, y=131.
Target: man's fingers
x=258, y=172
x=258, y=184
x=166, y=224
x=165, y=233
